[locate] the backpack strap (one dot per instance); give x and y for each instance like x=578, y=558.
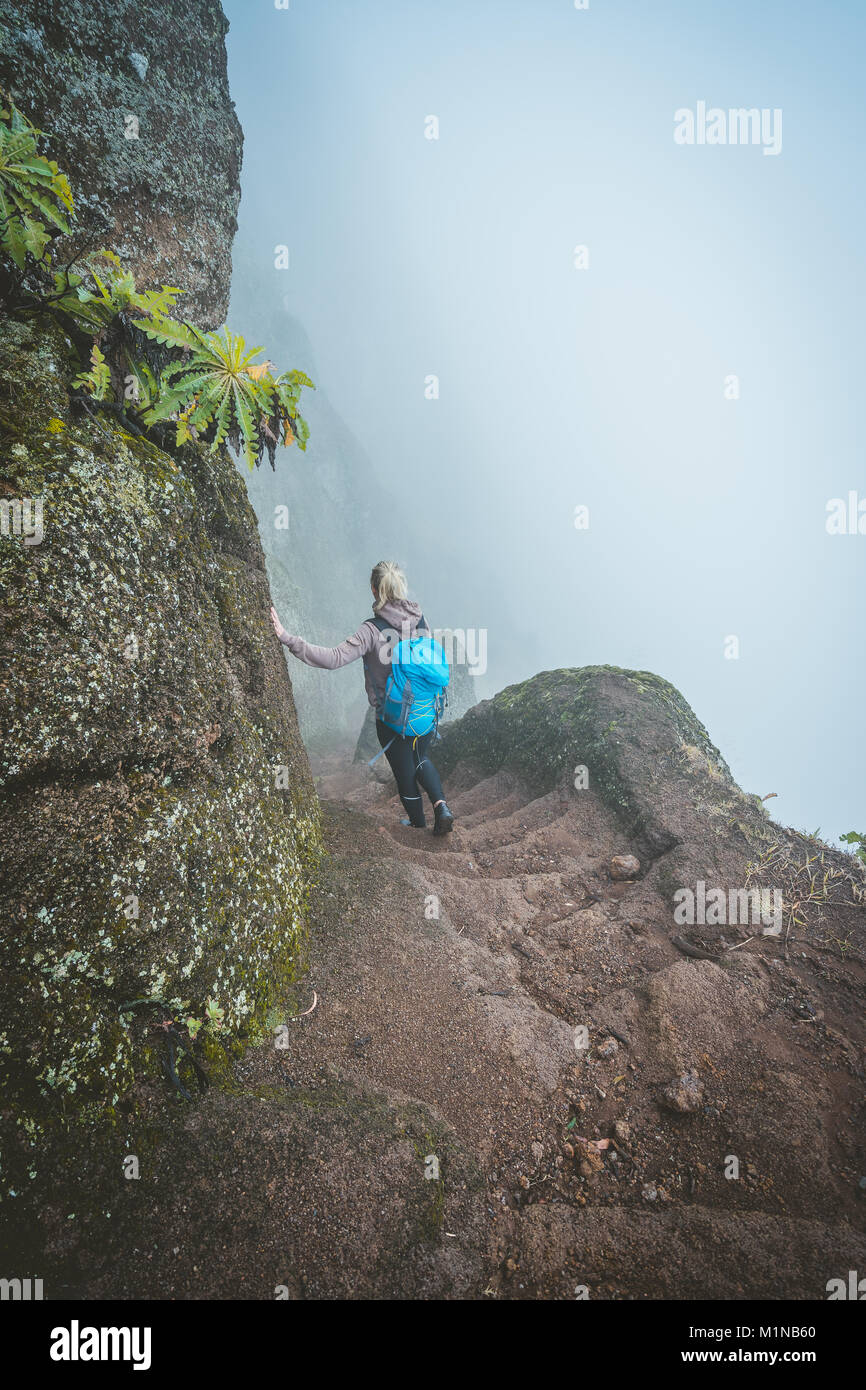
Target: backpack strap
x=378, y=622
x=382, y=625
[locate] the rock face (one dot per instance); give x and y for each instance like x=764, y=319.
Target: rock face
x=157, y=814
x=151, y=850
x=156, y=807
x=134, y=98
x=627, y=737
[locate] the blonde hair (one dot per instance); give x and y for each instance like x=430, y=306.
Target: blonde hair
x=389, y=581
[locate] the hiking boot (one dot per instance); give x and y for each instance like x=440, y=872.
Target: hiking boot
x=411, y=823
x=444, y=819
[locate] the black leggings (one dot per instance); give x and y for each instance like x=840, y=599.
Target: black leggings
x=412, y=769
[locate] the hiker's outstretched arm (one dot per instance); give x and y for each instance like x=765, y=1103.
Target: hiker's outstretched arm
x=327, y=658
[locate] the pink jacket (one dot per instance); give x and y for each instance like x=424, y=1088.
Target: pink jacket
x=403, y=616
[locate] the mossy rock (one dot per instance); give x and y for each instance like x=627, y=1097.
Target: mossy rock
x=646, y=754
x=158, y=817
x=267, y=1190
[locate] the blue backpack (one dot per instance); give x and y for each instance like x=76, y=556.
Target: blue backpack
x=415, y=690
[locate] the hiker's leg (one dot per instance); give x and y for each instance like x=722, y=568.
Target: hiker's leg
x=428, y=777
x=425, y=772
x=402, y=765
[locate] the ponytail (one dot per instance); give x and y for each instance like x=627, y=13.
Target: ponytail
x=389, y=582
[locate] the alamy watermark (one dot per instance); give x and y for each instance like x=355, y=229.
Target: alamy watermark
x=20, y=1290
x=713, y=125
x=460, y=645
x=77, y=1343
x=22, y=516
x=846, y=517
x=736, y=907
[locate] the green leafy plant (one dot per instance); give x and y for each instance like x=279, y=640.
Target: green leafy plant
x=211, y=387
x=143, y=364
x=96, y=382
x=211, y=1023
x=854, y=838
x=215, y=1015
x=95, y=300
x=35, y=198
x=218, y=388
x=103, y=299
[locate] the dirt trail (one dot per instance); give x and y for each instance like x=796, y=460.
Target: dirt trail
x=456, y=970
x=431, y=1130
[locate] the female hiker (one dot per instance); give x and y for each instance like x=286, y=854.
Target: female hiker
x=396, y=617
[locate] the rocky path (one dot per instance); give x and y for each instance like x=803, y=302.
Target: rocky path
x=456, y=972
x=502, y=1079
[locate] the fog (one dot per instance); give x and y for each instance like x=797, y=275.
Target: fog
x=692, y=377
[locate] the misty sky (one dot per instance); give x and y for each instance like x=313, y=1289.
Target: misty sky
x=604, y=386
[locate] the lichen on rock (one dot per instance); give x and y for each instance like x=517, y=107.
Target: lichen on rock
x=158, y=817
x=133, y=97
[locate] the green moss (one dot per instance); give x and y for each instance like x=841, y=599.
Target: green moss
x=632, y=730
x=550, y=723
x=141, y=772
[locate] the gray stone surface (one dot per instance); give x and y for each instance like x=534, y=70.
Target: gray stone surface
x=95, y=76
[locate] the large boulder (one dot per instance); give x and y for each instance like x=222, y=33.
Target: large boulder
x=156, y=807
x=134, y=99
x=628, y=737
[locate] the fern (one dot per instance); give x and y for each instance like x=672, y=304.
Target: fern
x=35, y=198
x=95, y=305
x=96, y=382
x=174, y=333
x=208, y=383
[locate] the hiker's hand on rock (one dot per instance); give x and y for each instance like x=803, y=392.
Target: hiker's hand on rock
x=277, y=625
